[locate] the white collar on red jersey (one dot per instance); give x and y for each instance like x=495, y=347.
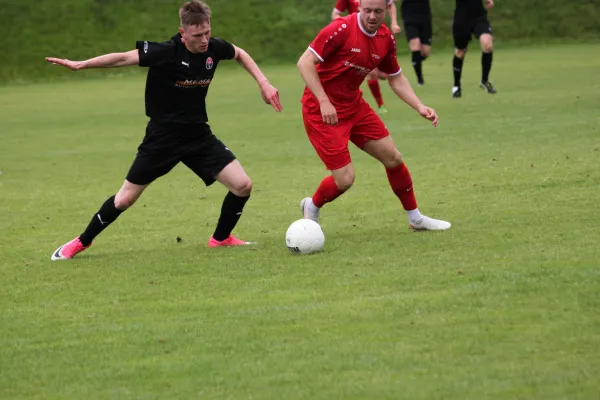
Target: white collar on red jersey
x=362, y=28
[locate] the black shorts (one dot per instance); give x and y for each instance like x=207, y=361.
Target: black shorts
x=464, y=26
x=164, y=146
x=419, y=29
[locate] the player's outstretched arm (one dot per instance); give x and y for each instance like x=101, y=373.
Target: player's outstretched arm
x=394, y=18
x=308, y=71
x=111, y=60
x=401, y=86
x=269, y=93
x=335, y=14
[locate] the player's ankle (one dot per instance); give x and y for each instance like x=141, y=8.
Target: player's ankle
x=414, y=215
x=312, y=206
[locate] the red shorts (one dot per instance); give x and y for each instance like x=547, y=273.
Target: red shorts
x=331, y=141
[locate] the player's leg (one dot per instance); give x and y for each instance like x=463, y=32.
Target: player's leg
x=234, y=178
x=401, y=183
x=426, y=36
x=212, y=161
x=110, y=210
x=330, y=188
x=414, y=44
x=331, y=144
x=373, y=82
x=461, y=33
x=371, y=135
x=483, y=31
x=417, y=59
x=151, y=162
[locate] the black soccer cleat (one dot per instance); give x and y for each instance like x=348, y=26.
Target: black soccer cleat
x=488, y=87
x=456, y=92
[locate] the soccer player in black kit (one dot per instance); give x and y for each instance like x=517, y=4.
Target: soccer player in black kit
x=470, y=18
x=416, y=15
x=180, y=72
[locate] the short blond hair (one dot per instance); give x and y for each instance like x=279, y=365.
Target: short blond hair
x=194, y=12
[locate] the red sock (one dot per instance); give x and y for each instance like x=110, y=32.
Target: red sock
x=376, y=90
x=326, y=192
x=401, y=184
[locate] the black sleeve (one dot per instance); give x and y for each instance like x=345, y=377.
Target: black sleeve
x=223, y=49
x=154, y=54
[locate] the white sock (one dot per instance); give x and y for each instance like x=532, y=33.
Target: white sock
x=414, y=215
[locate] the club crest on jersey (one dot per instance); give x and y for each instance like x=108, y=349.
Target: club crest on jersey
x=209, y=63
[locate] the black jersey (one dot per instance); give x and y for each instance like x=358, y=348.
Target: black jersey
x=415, y=9
x=178, y=79
x=471, y=8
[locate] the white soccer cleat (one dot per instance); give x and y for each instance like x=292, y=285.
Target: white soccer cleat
x=430, y=224
x=309, y=210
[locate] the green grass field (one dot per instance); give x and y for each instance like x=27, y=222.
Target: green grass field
x=505, y=305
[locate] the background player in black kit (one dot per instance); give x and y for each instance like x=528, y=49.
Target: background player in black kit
x=180, y=73
x=416, y=15
x=470, y=18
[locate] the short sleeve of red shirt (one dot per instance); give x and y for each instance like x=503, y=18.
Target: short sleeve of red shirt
x=389, y=64
x=341, y=5
x=331, y=38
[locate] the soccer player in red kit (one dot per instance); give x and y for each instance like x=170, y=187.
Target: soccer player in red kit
x=334, y=112
x=352, y=6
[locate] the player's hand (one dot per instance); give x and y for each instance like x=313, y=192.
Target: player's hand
x=396, y=29
x=72, y=65
x=490, y=4
x=270, y=96
x=329, y=113
x=430, y=114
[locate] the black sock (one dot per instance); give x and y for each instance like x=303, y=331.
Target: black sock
x=107, y=214
x=486, y=66
x=457, y=64
x=231, y=211
x=416, y=62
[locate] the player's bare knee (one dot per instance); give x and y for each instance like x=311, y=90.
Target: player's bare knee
x=124, y=200
x=414, y=45
x=393, y=160
x=487, y=45
x=460, y=53
x=242, y=188
x=344, y=181
x=425, y=50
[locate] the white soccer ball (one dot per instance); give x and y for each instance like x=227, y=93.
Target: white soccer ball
x=304, y=236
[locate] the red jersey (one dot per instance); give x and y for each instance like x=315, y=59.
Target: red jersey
x=348, y=53
x=350, y=5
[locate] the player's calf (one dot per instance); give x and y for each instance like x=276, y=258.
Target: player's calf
x=329, y=189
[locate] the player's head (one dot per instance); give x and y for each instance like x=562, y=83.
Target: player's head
x=195, y=25
x=372, y=14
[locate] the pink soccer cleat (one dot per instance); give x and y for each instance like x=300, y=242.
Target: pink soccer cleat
x=230, y=241
x=69, y=250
